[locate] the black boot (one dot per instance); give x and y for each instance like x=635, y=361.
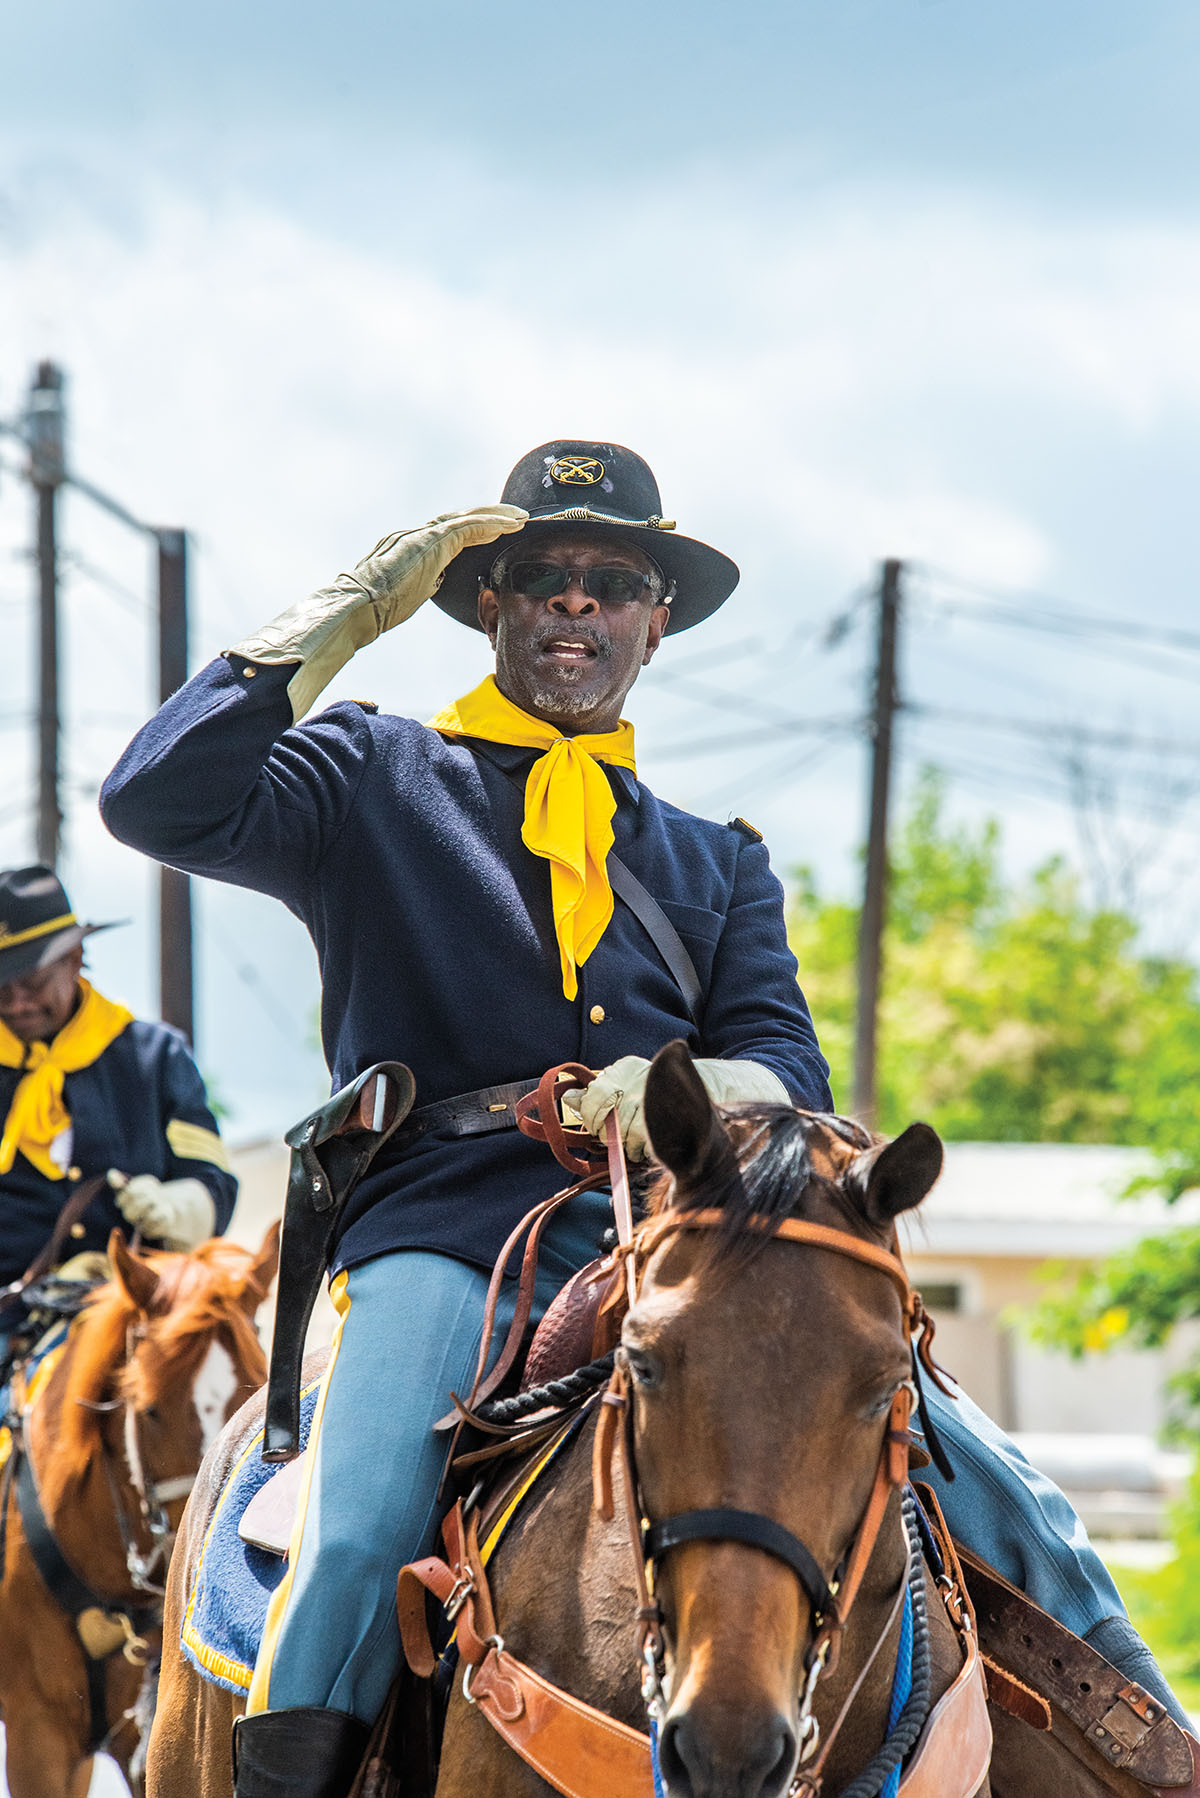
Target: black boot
x=301, y=1753
x=1117, y=1640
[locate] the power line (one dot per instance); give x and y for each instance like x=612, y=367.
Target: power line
x=1066, y=734
x=131, y=601
x=769, y=733
x=1055, y=616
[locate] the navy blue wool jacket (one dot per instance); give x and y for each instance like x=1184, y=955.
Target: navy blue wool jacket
x=401, y=852
x=139, y=1107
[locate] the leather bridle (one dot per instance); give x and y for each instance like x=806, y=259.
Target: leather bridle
x=831, y=1598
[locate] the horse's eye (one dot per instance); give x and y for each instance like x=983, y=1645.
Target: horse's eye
x=643, y=1368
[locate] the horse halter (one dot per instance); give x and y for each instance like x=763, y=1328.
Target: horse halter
x=830, y=1600
x=152, y=1496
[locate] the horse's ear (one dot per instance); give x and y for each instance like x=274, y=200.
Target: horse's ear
x=895, y=1176
x=681, y=1120
x=257, y=1279
x=136, y=1278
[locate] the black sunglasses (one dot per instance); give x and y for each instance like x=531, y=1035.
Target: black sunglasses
x=544, y=580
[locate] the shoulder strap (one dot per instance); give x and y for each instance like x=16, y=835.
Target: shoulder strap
x=659, y=928
x=645, y=908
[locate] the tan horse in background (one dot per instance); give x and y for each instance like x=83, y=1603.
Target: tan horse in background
x=152, y=1368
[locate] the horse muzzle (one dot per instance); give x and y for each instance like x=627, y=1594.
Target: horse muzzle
x=726, y=1750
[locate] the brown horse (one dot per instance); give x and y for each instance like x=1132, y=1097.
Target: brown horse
x=763, y=1374
x=151, y=1369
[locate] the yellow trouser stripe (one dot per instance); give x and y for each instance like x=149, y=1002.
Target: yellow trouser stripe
x=259, y=1698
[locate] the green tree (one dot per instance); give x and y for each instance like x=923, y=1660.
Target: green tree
x=1010, y=1012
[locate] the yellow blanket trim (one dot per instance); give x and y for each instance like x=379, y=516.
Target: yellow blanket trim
x=192, y=1142
x=26, y=1399
x=211, y=1658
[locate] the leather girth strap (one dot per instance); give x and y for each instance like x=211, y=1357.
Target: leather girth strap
x=579, y=1750
x=574, y=1747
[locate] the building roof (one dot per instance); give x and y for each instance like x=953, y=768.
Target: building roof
x=1040, y=1199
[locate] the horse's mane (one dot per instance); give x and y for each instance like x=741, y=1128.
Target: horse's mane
x=198, y=1294
x=764, y=1177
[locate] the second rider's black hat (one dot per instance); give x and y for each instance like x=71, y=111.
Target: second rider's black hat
x=37, y=924
x=566, y=485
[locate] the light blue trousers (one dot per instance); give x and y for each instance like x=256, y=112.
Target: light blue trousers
x=410, y=1334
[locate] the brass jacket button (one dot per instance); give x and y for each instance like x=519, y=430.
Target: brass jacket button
x=597, y=1014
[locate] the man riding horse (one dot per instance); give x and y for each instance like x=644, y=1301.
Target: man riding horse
x=468, y=887
x=90, y=1094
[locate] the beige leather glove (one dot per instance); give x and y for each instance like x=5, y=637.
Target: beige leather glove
x=323, y=631
x=177, y=1213
x=623, y=1085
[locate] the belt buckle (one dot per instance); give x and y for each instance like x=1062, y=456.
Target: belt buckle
x=462, y=1589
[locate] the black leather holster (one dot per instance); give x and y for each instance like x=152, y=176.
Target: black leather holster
x=332, y=1149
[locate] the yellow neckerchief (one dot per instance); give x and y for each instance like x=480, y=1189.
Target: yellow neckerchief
x=37, y=1115
x=568, y=810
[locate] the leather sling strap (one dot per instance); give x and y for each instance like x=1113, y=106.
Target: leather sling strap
x=659, y=928
x=645, y=908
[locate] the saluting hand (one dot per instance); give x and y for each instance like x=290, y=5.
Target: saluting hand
x=404, y=569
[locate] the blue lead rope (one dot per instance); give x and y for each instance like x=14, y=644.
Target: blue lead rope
x=901, y=1687
x=660, y=1791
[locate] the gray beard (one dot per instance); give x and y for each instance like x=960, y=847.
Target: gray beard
x=561, y=702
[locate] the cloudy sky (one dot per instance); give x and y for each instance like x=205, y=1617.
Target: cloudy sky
x=859, y=277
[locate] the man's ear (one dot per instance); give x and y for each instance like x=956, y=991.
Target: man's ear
x=660, y=617
x=489, y=613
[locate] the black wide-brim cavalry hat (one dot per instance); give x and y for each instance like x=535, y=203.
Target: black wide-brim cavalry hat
x=37, y=924
x=604, y=487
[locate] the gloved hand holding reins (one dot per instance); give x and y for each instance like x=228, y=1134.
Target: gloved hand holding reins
x=622, y=1087
x=177, y=1213
x=323, y=631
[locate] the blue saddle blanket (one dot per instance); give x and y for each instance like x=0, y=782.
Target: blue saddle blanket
x=227, y=1606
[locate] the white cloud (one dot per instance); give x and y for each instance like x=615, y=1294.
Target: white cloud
x=814, y=391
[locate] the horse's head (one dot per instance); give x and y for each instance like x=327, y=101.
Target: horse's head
x=763, y=1374
x=163, y=1356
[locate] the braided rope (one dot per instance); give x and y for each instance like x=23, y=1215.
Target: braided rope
x=558, y=1393
x=916, y=1706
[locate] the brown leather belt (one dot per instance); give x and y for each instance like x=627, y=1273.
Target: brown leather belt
x=465, y=1114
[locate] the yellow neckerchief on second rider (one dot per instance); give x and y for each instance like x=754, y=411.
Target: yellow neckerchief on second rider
x=37, y=1115
x=569, y=808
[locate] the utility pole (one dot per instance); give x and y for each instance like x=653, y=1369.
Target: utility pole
x=44, y=436
x=175, y=979
x=874, y=906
